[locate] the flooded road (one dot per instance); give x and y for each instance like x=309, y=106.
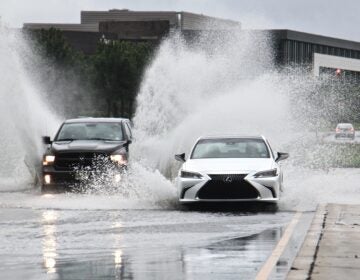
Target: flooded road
x=101, y=242
x=106, y=235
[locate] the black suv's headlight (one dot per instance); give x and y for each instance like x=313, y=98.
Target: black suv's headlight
x=190, y=175
x=48, y=159
x=267, y=173
x=119, y=159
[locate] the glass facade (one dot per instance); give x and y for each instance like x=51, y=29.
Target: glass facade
x=299, y=53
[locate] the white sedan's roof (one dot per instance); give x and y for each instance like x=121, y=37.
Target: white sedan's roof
x=231, y=136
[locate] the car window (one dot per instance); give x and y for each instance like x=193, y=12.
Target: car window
x=128, y=130
x=230, y=148
x=90, y=131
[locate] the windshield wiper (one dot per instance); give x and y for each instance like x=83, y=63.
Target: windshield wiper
x=65, y=139
x=103, y=139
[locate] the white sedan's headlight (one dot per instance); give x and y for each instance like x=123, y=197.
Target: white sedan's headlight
x=48, y=159
x=190, y=175
x=268, y=173
x=119, y=159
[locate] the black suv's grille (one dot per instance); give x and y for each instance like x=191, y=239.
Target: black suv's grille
x=228, y=186
x=70, y=161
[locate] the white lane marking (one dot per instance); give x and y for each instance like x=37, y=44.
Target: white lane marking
x=267, y=268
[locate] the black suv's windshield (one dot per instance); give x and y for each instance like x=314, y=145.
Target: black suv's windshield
x=90, y=131
x=230, y=148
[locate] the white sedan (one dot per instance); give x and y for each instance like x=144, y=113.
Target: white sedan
x=235, y=168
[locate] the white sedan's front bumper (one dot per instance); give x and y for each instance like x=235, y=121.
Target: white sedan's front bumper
x=192, y=190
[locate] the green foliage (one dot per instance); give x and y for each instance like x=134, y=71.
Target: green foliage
x=326, y=101
x=333, y=155
x=118, y=68
x=54, y=46
x=108, y=80
x=338, y=101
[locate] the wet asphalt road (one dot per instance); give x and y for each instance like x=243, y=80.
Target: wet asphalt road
x=92, y=242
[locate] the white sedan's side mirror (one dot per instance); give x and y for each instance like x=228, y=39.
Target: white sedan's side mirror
x=180, y=157
x=281, y=156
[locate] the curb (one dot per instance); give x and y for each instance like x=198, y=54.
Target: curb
x=303, y=264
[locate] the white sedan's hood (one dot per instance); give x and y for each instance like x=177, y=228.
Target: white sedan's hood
x=228, y=165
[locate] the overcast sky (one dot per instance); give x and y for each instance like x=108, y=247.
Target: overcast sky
x=336, y=18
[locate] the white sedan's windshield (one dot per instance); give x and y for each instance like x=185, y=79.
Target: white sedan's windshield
x=90, y=131
x=230, y=148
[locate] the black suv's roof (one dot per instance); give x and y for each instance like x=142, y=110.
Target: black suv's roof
x=95, y=120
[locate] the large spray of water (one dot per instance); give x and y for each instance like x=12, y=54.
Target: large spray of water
x=24, y=114
x=215, y=85
x=229, y=85
x=221, y=87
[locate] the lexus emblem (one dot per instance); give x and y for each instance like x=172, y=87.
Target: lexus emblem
x=228, y=179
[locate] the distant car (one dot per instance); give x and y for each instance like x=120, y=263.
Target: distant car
x=232, y=168
x=345, y=130
x=79, y=144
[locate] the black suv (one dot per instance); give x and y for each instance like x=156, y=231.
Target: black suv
x=81, y=142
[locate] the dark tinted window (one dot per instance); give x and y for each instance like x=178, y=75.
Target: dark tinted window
x=230, y=148
x=90, y=131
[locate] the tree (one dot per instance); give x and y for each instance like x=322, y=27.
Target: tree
x=65, y=74
x=111, y=76
x=118, y=67
x=53, y=45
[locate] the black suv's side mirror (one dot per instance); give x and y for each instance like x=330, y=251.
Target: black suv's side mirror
x=180, y=157
x=46, y=140
x=281, y=156
x=128, y=142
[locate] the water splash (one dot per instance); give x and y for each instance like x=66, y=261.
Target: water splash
x=136, y=183
x=24, y=114
x=231, y=87
x=220, y=85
